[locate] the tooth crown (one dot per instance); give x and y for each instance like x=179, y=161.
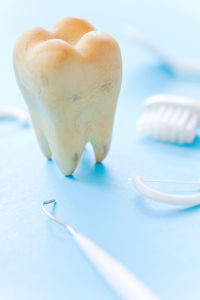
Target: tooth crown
x=70, y=78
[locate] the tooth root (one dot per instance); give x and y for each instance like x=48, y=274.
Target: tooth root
x=42, y=140
x=66, y=150
x=101, y=146
x=101, y=132
x=64, y=29
x=100, y=150
x=44, y=145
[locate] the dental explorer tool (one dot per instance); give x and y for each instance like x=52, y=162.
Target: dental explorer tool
x=123, y=282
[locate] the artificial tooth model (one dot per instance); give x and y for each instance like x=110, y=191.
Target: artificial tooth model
x=70, y=78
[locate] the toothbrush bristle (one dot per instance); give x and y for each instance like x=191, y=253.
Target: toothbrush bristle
x=190, y=128
x=169, y=123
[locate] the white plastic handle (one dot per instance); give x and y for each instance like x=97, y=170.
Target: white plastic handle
x=14, y=113
x=178, y=199
x=187, y=67
x=127, y=286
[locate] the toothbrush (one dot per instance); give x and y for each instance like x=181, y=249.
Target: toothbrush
x=123, y=282
x=170, y=118
x=190, y=67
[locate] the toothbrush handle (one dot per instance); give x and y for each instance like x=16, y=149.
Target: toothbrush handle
x=125, y=284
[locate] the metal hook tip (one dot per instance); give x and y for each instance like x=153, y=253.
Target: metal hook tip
x=49, y=201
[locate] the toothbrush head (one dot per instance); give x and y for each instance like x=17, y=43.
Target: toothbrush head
x=170, y=118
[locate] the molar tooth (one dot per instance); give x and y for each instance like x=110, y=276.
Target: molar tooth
x=70, y=78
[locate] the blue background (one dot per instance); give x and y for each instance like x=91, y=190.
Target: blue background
x=159, y=243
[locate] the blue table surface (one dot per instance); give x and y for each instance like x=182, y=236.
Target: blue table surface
x=159, y=243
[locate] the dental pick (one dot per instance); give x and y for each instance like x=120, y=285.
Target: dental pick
x=123, y=282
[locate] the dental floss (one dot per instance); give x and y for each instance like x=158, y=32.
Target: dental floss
x=14, y=113
x=123, y=282
x=190, y=67
x=176, y=199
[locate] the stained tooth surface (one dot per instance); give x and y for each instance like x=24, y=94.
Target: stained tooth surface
x=70, y=78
